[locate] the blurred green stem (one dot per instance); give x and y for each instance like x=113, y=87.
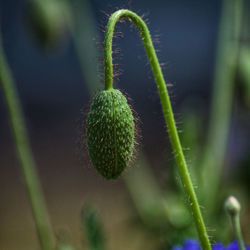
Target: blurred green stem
x=83, y=42
x=233, y=208
x=144, y=191
x=166, y=108
x=25, y=154
x=237, y=231
x=220, y=113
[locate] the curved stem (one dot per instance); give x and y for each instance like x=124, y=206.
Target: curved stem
x=166, y=107
x=25, y=155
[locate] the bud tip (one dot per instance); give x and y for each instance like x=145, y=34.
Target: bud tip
x=232, y=206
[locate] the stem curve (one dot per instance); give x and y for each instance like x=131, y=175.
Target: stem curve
x=166, y=108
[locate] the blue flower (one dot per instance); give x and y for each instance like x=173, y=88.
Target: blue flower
x=191, y=244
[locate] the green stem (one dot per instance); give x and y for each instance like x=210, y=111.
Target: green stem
x=237, y=231
x=25, y=155
x=166, y=107
x=83, y=42
x=220, y=114
x=233, y=208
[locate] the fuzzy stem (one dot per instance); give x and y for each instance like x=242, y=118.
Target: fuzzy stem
x=166, y=108
x=25, y=154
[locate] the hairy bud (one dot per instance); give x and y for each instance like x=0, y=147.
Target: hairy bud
x=110, y=133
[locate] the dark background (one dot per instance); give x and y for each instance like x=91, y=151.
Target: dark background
x=55, y=100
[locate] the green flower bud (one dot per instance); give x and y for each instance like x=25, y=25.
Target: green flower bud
x=110, y=133
x=49, y=20
x=232, y=206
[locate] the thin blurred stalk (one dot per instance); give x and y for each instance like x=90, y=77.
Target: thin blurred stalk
x=244, y=71
x=25, y=155
x=83, y=34
x=145, y=193
x=233, y=208
x=222, y=100
x=158, y=210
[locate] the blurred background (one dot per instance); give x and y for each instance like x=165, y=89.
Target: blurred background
x=55, y=88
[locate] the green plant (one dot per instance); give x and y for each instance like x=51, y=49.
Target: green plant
x=233, y=208
x=110, y=133
x=166, y=108
x=25, y=154
x=110, y=140
x=220, y=114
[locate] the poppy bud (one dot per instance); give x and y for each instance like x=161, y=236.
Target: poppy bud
x=110, y=133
